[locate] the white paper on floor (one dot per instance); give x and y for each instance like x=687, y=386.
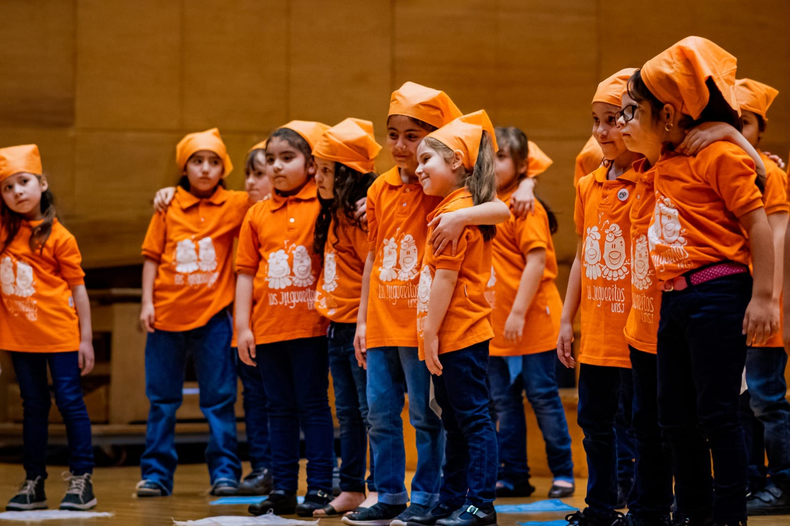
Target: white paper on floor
x=50, y=515
x=269, y=519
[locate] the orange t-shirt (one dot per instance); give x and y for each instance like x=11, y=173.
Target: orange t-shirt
x=38, y=312
x=340, y=284
x=602, y=216
x=514, y=239
x=468, y=317
x=698, y=202
x=397, y=230
x=192, y=241
x=641, y=329
x=276, y=246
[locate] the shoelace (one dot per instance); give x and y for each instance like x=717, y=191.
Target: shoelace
x=28, y=487
x=76, y=483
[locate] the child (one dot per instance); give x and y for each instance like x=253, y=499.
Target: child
x=711, y=308
x=453, y=320
x=603, y=203
x=277, y=325
x=526, y=317
x=522, y=200
x=386, y=338
x=187, y=289
x=45, y=320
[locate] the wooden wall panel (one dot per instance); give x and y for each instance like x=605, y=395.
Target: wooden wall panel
x=37, y=57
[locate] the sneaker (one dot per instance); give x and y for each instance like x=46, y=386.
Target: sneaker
x=632, y=520
x=31, y=496
x=679, y=520
x=149, y=488
x=506, y=489
x=772, y=500
x=379, y=514
x=258, y=482
x=561, y=491
x=314, y=500
x=79, y=496
x=277, y=502
x=429, y=518
x=585, y=518
x=225, y=488
x=469, y=515
x=414, y=510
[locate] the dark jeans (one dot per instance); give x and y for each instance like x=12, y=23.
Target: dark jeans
x=626, y=451
x=470, y=469
x=599, y=396
x=256, y=417
x=215, y=365
x=701, y=355
x=767, y=416
x=296, y=378
x=652, y=495
x=351, y=404
x=31, y=373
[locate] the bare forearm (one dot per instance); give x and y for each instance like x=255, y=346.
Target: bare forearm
x=762, y=254
x=573, y=292
x=778, y=224
x=149, y=277
x=441, y=294
x=491, y=213
x=243, y=301
x=529, y=284
x=83, y=305
x=362, y=315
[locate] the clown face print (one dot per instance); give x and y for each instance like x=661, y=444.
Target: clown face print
x=592, y=253
x=7, y=275
x=615, y=255
x=640, y=264
x=330, y=272
x=24, y=280
x=279, y=272
x=186, y=256
x=666, y=228
x=303, y=268
x=408, y=258
x=387, y=271
x=207, y=255
x=424, y=289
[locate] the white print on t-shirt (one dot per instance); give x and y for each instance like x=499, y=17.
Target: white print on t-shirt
x=24, y=280
x=21, y=287
x=387, y=271
x=667, y=235
x=192, y=256
x=330, y=272
x=640, y=263
x=207, y=254
x=303, y=268
x=279, y=271
x=186, y=257
x=492, y=279
x=614, y=254
x=423, y=296
x=7, y=275
x=592, y=253
x=408, y=259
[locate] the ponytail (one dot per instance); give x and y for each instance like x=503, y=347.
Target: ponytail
x=482, y=181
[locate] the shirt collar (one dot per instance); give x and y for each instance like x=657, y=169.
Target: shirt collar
x=629, y=175
x=187, y=200
x=308, y=191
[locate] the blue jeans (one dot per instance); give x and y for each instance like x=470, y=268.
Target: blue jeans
x=256, y=417
x=391, y=371
x=765, y=368
x=31, y=373
x=296, y=378
x=470, y=470
x=538, y=379
x=701, y=355
x=599, y=399
x=215, y=364
x=351, y=403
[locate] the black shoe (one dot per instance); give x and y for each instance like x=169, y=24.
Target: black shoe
x=149, y=488
x=505, y=489
x=31, y=496
x=679, y=520
x=773, y=500
x=631, y=520
x=414, y=510
x=559, y=492
x=379, y=514
x=79, y=496
x=314, y=500
x=277, y=503
x=258, y=482
x=428, y=518
x=622, y=496
x=585, y=518
x=225, y=488
x=469, y=515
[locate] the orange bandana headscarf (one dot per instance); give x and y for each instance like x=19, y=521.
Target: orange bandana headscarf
x=424, y=104
x=537, y=160
x=465, y=133
x=19, y=159
x=350, y=143
x=310, y=131
x=754, y=96
x=208, y=140
x=610, y=90
x=260, y=146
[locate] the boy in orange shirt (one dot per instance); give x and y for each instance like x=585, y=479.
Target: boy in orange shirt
x=45, y=321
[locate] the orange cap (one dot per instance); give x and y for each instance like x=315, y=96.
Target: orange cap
x=208, y=140
x=464, y=134
x=754, y=96
x=424, y=104
x=310, y=131
x=677, y=76
x=537, y=160
x=19, y=159
x=350, y=143
x=260, y=146
x=610, y=90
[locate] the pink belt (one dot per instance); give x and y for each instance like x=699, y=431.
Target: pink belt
x=701, y=276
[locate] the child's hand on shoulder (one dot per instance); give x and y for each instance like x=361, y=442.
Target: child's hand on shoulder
x=447, y=228
x=163, y=197
x=86, y=357
x=431, y=347
x=246, y=345
x=514, y=327
x=362, y=210
x=522, y=202
x=776, y=159
x=702, y=136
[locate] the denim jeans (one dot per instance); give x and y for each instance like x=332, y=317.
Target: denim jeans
x=351, y=404
x=215, y=365
x=768, y=416
x=256, y=417
x=391, y=371
x=538, y=379
x=296, y=378
x=31, y=373
x=599, y=396
x=625, y=436
x=652, y=494
x=470, y=471
x=701, y=355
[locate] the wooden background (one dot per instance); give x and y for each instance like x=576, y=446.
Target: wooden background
x=107, y=88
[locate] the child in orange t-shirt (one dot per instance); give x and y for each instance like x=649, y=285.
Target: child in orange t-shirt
x=278, y=328
x=345, y=159
x=45, y=322
x=456, y=163
x=187, y=289
x=709, y=224
x=526, y=318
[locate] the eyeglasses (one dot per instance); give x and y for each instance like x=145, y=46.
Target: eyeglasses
x=628, y=113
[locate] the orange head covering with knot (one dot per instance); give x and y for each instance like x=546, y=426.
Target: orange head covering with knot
x=537, y=160
x=350, y=143
x=208, y=140
x=19, y=159
x=260, y=146
x=754, y=96
x=677, y=76
x=611, y=89
x=465, y=133
x=310, y=131
x=424, y=104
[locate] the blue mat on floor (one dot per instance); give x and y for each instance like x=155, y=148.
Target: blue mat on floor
x=535, y=507
x=246, y=501
x=547, y=523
